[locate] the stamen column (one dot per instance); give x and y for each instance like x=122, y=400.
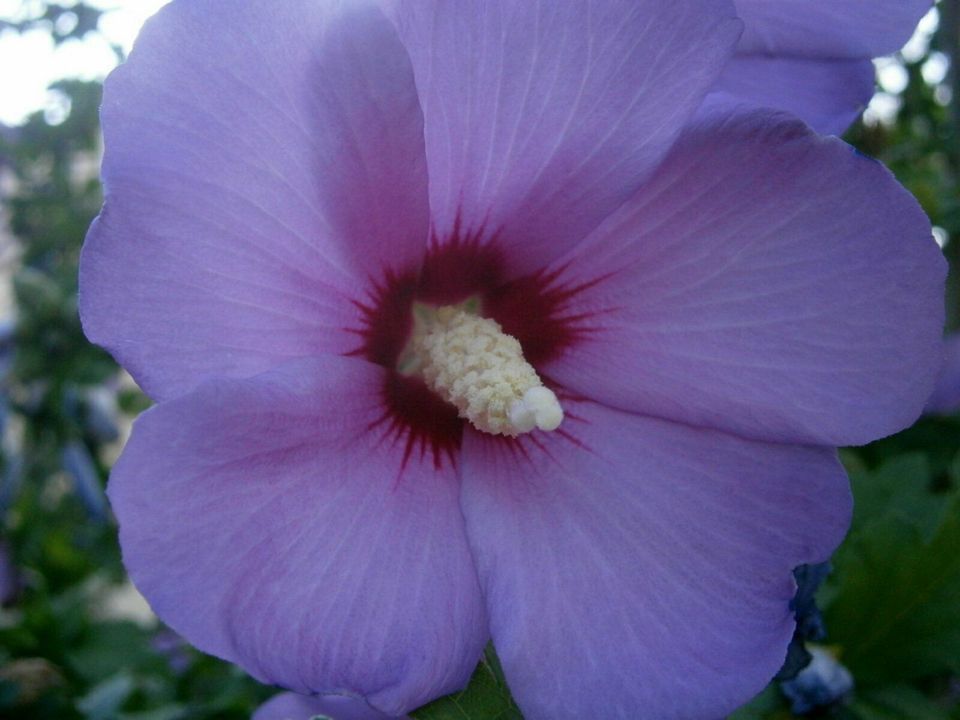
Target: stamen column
x=470, y=362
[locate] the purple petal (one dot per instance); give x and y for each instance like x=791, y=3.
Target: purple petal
x=826, y=94
x=261, y=159
x=766, y=282
x=542, y=117
x=271, y=523
x=291, y=706
x=829, y=28
x=646, y=564
x=946, y=393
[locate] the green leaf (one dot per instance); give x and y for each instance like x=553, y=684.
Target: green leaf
x=167, y=712
x=896, y=613
x=485, y=698
x=768, y=705
x=896, y=703
x=900, y=487
x=111, y=646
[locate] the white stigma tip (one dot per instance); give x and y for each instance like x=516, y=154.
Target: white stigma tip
x=544, y=406
x=470, y=362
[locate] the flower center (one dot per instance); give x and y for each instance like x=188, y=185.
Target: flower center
x=471, y=363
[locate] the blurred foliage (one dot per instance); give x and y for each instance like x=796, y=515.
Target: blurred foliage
x=487, y=697
x=73, y=646
x=63, y=21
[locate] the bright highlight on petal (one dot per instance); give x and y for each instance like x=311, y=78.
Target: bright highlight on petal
x=469, y=361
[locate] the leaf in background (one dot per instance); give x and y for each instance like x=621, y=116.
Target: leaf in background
x=111, y=646
x=900, y=487
x=897, y=612
x=768, y=705
x=168, y=712
x=896, y=702
x=934, y=437
x=485, y=698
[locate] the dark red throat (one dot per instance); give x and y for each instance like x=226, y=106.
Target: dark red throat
x=533, y=308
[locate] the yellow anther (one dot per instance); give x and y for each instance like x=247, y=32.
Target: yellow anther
x=470, y=362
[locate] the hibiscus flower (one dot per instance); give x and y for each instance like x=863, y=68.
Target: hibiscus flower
x=460, y=331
